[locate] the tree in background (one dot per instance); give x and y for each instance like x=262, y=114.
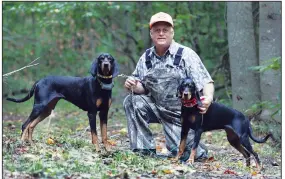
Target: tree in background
x=242, y=53
x=269, y=50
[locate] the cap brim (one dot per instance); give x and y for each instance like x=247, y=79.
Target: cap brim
x=150, y=26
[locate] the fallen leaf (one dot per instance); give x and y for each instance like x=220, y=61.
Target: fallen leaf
x=50, y=141
x=21, y=150
x=158, y=148
x=253, y=173
x=167, y=171
x=164, y=151
x=210, y=159
x=109, y=173
x=154, y=172
x=218, y=165
x=230, y=172
x=112, y=142
x=123, y=131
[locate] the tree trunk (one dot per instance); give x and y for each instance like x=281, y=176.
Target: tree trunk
x=242, y=52
x=270, y=47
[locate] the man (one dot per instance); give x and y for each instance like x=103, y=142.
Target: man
x=147, y=105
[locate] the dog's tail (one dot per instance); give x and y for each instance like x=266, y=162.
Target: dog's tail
x=25, y=98
x=264, y=139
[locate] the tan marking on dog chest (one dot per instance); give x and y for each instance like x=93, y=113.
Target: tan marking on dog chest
x=110, y=102
x=193, y=118
x=98, y=102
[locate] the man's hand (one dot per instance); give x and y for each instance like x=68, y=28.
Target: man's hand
x=206, y=102
x=207, y=99
x=131, y=82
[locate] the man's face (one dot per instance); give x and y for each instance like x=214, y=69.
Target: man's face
x=162, y=34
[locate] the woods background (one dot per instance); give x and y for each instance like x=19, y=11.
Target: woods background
x=238, y=42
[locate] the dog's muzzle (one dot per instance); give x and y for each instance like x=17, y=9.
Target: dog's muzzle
x=106, y=67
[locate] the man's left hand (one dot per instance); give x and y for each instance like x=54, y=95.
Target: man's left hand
x=206, y=102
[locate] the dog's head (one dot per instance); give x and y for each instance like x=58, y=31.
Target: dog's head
x=188, y=93
x=186, y=90
x=105, y=65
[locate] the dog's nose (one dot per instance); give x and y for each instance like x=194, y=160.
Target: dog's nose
x=105, y=65
x=186, y=94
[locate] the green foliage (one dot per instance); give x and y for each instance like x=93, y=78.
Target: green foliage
x=67, y=36
x=272, y=64
x=255, y=108
x=275, y=108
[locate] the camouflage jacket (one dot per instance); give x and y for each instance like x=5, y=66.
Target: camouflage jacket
x=190, y=60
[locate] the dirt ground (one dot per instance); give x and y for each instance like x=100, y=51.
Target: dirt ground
x=223, y=162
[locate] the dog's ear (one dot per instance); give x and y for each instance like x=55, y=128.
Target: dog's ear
x=93, y=69
x=115, y=68
x=178, y=93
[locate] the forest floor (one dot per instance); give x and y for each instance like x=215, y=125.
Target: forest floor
x=62, y=149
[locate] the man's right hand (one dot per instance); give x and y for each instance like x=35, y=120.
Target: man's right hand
x=137, y=86
x=130, y=82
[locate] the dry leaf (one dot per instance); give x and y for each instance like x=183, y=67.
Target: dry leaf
x=158, y=148
x=164, y=151
x=167, y=171
x=211, y=159
x=50, y=141
x=230, y=172
x=123, y=131
x=218, y=165
x=112, y=142
x=253, y=173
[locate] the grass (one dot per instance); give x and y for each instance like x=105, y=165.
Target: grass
x=73, y=155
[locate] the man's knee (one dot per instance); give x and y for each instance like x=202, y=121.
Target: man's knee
x=127, y=102
x=135, y=101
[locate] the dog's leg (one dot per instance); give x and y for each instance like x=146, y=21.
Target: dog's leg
x=184, y=133
x=181, y=147
x=34, y=114
x=24, y=135
x=237, y=145
x=246, y=143
x=234, y=140
x=103, y=126
x=195, y=144
x=92, y=122
x=33, y=124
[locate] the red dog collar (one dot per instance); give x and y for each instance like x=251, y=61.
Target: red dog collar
x=189, y=103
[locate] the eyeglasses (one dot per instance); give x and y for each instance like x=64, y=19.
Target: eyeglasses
x=158, y=31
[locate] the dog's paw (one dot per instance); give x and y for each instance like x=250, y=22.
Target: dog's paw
x=190, y=161
x=107, y=147
x=97, y=148
x=259, y=168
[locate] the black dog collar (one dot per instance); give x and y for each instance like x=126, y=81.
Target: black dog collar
x=189, y=103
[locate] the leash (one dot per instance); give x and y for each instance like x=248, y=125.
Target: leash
x=131, y=94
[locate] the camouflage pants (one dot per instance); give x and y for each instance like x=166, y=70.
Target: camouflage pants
x=146, y=111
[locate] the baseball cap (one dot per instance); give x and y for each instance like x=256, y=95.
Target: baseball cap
x=160, y=17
